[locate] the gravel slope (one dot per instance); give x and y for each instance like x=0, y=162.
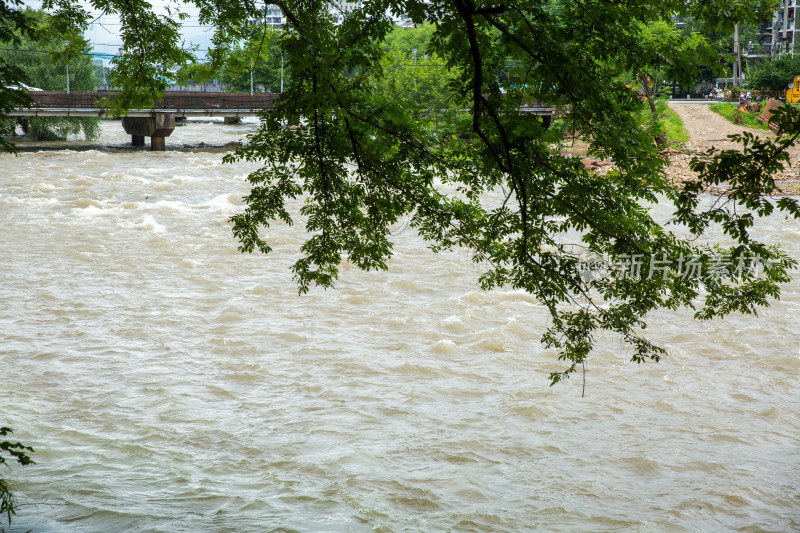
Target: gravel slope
x=709, y=130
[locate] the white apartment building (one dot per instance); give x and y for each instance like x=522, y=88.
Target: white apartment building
x=338, y=10
x=273, y=16
x=778, y=35
x=784, y=28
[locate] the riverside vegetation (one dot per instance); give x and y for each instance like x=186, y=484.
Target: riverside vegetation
x=16, y=452
x=729, y=111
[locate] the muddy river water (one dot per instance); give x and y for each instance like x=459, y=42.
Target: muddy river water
x=170, y=383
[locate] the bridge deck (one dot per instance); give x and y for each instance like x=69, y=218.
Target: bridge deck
x=97, y=112
x=181, y=103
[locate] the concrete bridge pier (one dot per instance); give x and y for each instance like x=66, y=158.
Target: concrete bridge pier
x=157, y=127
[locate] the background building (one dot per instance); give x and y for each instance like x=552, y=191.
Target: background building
x=776, y=36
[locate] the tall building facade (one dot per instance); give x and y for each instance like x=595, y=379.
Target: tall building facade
x=273, y=16
x=779, y=35
x=338, y=9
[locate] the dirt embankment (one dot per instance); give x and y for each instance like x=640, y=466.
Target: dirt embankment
x=709, y=130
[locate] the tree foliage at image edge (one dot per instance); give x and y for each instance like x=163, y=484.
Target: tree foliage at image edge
x=39, y=58
x=361, y=161
x=16, y=451
x=398, y=169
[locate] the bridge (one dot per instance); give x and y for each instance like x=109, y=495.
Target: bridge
x=179, y=103
x=158, y=121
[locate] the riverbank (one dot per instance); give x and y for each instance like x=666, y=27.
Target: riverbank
x=84, y=146
x=709, y=130
x=678, y=171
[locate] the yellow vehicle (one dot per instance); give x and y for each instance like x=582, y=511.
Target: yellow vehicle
x=793, y=94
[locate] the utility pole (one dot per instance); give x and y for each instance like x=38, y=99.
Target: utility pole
x=281, y=72
x=785, y=44
x=66, y=44
x=414, y=51
x=737, y=57
x=119, y=54
x=773, y=41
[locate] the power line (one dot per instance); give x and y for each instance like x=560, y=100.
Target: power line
x=182, y=25
x=418, y=65
x=36, y=51
x=82, y=53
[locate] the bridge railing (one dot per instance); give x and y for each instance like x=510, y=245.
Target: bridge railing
x=172, y=100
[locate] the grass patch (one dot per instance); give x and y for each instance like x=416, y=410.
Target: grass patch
x=673, y=128
x=729, y=111
x=669, y=131
x=665, y=126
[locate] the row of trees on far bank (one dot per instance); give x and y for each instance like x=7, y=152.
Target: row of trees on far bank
x=774, y=74
x=413, y=74
x=42, y=58
x=255, y=58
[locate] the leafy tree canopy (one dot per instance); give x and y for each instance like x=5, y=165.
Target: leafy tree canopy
x=17, y=452
x=42, y=55
x=14, y=24
x=662, y=41
x=409, y=39
x=363, y=161
x=258, y=52
x=41, y=58
x=774, y=74
x=417, y=78
x=718, y=32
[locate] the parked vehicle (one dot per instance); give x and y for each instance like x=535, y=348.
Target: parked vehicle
x=793, y=94
x=23, y=87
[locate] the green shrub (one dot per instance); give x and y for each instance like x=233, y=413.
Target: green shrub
x=58, y=128
x=673, y=128
x=668, y=130
x=774, y=74
x=17, y=451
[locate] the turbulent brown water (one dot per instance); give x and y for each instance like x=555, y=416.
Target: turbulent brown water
x=170, y=383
